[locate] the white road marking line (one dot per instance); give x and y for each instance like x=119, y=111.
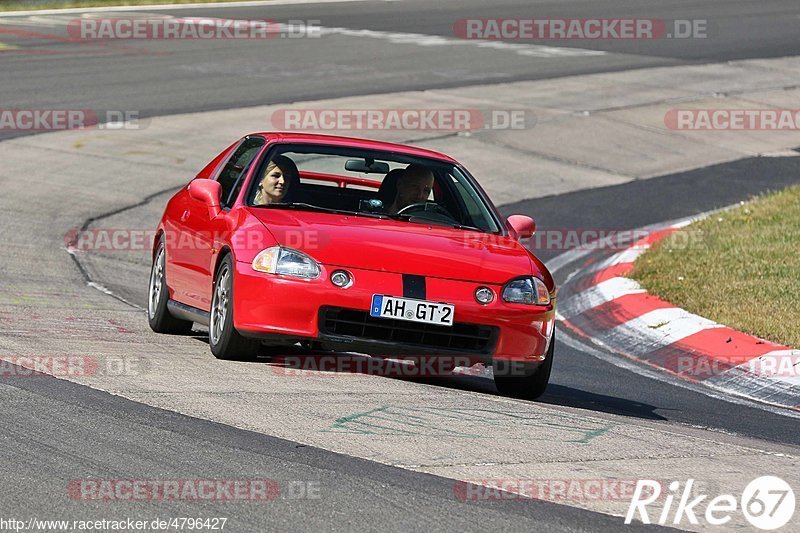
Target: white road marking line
x=784, y=367
x=706, y=389
x=599, y=294
x=771, y=378
x=657, y=329
x=630, y=255
x=160, y=7
x=570, y=256
x=686, y=222
x=738, y=386
x=417, y=39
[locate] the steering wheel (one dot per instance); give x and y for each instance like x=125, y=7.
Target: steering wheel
x=423, y=207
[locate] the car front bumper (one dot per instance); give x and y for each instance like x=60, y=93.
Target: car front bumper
x=270, y=306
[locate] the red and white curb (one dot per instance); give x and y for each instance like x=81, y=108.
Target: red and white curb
x=599, y=303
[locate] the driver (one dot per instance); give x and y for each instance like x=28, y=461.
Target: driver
x=413, y=186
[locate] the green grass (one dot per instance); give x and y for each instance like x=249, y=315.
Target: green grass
x=740, y=268
x=18, y=5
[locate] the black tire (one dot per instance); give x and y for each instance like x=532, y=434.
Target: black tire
x=225, y=341
x=158, y=316
x=525, y=384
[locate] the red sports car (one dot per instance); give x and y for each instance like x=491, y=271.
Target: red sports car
x=352, y=245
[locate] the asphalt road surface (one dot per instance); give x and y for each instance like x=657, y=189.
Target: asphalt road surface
x=55, y=431
x=164, y=77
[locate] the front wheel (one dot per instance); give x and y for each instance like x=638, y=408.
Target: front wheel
x=225, y=341
x=157, y=297
x=524, y=383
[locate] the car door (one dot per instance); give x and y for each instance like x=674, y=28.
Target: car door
x=205, y=230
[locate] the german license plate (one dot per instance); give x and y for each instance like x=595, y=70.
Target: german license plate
x=412, y=310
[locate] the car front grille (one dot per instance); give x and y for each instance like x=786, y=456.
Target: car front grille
x=466, y=338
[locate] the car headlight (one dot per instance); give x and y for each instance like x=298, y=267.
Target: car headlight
x=286, y=262
x=530, y=291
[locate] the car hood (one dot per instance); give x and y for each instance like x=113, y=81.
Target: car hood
x=397, y=246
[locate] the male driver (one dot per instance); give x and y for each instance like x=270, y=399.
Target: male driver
x=413, y=186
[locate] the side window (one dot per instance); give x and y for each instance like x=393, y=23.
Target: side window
x=474, y=211
x=472, y=206
x=232, y=174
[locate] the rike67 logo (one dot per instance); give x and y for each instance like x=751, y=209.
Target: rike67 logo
x=767, y=503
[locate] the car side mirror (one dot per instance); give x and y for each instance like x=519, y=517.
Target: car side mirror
x=522, y=226
x=208, y=192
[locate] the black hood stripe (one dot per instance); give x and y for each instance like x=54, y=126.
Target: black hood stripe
x=414, y=286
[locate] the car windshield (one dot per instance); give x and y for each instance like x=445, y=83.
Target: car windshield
x=373, y=184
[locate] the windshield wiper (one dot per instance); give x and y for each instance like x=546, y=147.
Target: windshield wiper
x=471, y=228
